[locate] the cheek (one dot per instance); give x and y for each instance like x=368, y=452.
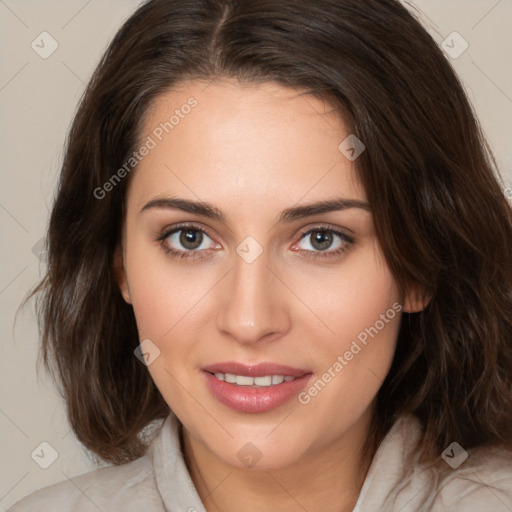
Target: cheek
x=163, y=292
x=166, y=299
x=351, y=297
x=365, y=315
x=359, y=303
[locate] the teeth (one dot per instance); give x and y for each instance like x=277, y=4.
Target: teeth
x=229, y=377
x=243, y=380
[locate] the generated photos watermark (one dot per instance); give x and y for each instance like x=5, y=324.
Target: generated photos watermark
x=145, y=148
x=343, y=360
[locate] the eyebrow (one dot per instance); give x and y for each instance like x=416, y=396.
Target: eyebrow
x=289, y=215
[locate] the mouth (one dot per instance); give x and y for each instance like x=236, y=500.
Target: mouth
x=254, y=388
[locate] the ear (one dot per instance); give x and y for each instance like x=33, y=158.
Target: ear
x=416, y=299
x=120, y=274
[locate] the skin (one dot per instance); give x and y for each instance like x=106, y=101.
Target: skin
x=253, y=151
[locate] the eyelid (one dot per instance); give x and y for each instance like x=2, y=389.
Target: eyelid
x=325, y=227
x=169, y=230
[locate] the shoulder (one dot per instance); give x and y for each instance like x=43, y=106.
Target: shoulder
x=482, y=482
x=127, y=487
x=459, y=481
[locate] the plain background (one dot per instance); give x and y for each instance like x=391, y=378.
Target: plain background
x=38, y=98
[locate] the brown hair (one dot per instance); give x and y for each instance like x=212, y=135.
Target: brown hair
x=441, y=217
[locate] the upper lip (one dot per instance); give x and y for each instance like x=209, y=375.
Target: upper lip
x=255, y=370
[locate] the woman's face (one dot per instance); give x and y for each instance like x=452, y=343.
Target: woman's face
x=259, y=283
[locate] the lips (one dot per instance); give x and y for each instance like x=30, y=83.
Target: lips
x=254, y=388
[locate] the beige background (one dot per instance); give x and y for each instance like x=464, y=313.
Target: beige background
x=37, y=100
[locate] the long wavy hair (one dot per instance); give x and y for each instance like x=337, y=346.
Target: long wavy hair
x=441, y=216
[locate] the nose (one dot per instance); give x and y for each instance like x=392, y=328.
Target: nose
x=252, y=305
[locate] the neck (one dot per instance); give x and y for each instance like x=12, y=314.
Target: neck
x=328, y=479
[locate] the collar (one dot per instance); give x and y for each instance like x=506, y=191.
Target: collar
x=179, y=494
x=172, y=477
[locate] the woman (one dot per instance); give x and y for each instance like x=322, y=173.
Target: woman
x=279, y=240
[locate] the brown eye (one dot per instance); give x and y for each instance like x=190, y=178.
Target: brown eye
x=187, y=241
x=320, y=239
x=323, y=242
x=190, y=238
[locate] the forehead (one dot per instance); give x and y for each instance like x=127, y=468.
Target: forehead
x=259, y=146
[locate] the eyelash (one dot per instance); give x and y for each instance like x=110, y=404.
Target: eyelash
x=179, y=255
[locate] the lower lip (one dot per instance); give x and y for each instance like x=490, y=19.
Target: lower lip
x=254, y=400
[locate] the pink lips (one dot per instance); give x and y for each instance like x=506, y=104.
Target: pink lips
x=254, y=400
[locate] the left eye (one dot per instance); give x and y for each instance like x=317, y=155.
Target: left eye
x=323, y=240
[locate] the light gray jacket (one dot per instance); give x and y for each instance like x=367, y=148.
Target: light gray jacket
x=159, y=481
